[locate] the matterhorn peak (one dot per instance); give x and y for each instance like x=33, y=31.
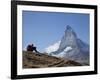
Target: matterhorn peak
x=68, y=27
x=69, y=31
x=72, y=48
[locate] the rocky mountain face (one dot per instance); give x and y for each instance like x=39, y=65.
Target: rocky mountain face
x=72, y=48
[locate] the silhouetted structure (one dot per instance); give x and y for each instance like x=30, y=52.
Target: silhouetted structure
x=31, y=48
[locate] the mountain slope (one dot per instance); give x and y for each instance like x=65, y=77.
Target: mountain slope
x=38, y=60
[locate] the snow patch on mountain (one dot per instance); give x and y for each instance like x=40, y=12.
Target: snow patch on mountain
x=62, y=54
x=67, y=49
x=52, y=47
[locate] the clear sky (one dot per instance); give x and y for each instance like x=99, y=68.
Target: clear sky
x=46, y=28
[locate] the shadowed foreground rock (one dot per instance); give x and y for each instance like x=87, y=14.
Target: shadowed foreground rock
x=36, y=60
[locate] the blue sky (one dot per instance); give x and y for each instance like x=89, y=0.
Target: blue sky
x=46, y=28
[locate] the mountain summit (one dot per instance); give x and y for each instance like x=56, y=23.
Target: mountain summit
x=72, y=48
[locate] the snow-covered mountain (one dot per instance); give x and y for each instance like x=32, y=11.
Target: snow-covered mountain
x=72, y=48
